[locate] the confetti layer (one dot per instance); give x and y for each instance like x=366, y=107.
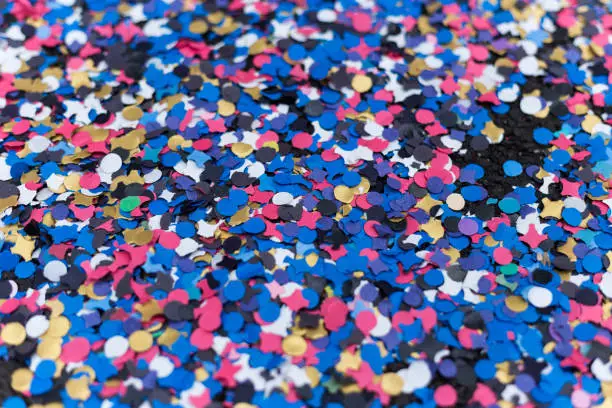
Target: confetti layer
x=305, y=204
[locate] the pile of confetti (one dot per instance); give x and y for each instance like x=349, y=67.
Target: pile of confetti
x=305, y=204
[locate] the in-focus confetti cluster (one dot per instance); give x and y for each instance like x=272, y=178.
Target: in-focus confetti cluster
x=305, y=204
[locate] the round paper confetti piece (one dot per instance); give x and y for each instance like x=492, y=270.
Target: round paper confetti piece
x=58, y=326
x=362, y=22
x=445, y=395
x=447, y=368
x=36, y=326
x=198, y=27
x=485, y=369
x=116, y=346
x=169, y=240
x=14, y=402
x=13, y=334
x=455, y=202
x=132, y=113
x=392, y=384
x=294, y=345
x=140, y=341
x=46, y=369
x=606, y=284
x=226, y=108
x=296, y=52
x=78, y=389
x=572, y=216
x=90, y=181
x=581, y=399
x=365, y=321
x=344, y=194
x=351, y=179
x=585, y=332
x=424, y=116
x=49, y=348
x=21, y=127
x=435, y=185
x=539, y=297
x=509, y=269
x=234, y=291
x=509, y=205
x=111, y=163
x=531, y=105
x=502, y=256
x=434, y=278
x=512, y=168
x=302, y=141
x=162, y=365
x=592, y=263
x=75, y=350
x=468, y=226
x=128, y=204
x=516, y=303
x=361, y=83
x=254, y=226
x=21, y=380
x=282, y=198
x=269, y=312
x=529, y=65
x=54, y=270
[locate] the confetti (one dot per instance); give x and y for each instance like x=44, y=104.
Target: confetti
x=305, y=203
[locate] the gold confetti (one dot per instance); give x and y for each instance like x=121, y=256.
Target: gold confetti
x=344, y=194
x=140, y=341
x=30, y=85
x=427, y=202
x=79, y=79
x=589, y=122
x=242, y=150
x=201, y=374
x=363, y=187
x=72, y=182
x=132, y=113
x=13, y=334
x=493, y=133
x=313, y=375
x=551, y=208
x=392, y=383
x=348, y=361
x=361, y=83
x=21, y=379
x=78, y=388
x=8, y=202
x=198, y=27
x=240, y=217
x=177, y=141
x=312, y=259
x=516, y=303
x=226, y=108
x=90, y=372
x=130, y=141
x=57, y=307
x=58, y=326
x=138, y=236
x=23, y=247
x=168, y=337
x=434, y=229
x=294, y=345
x=244, y=405
x=149, y=310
